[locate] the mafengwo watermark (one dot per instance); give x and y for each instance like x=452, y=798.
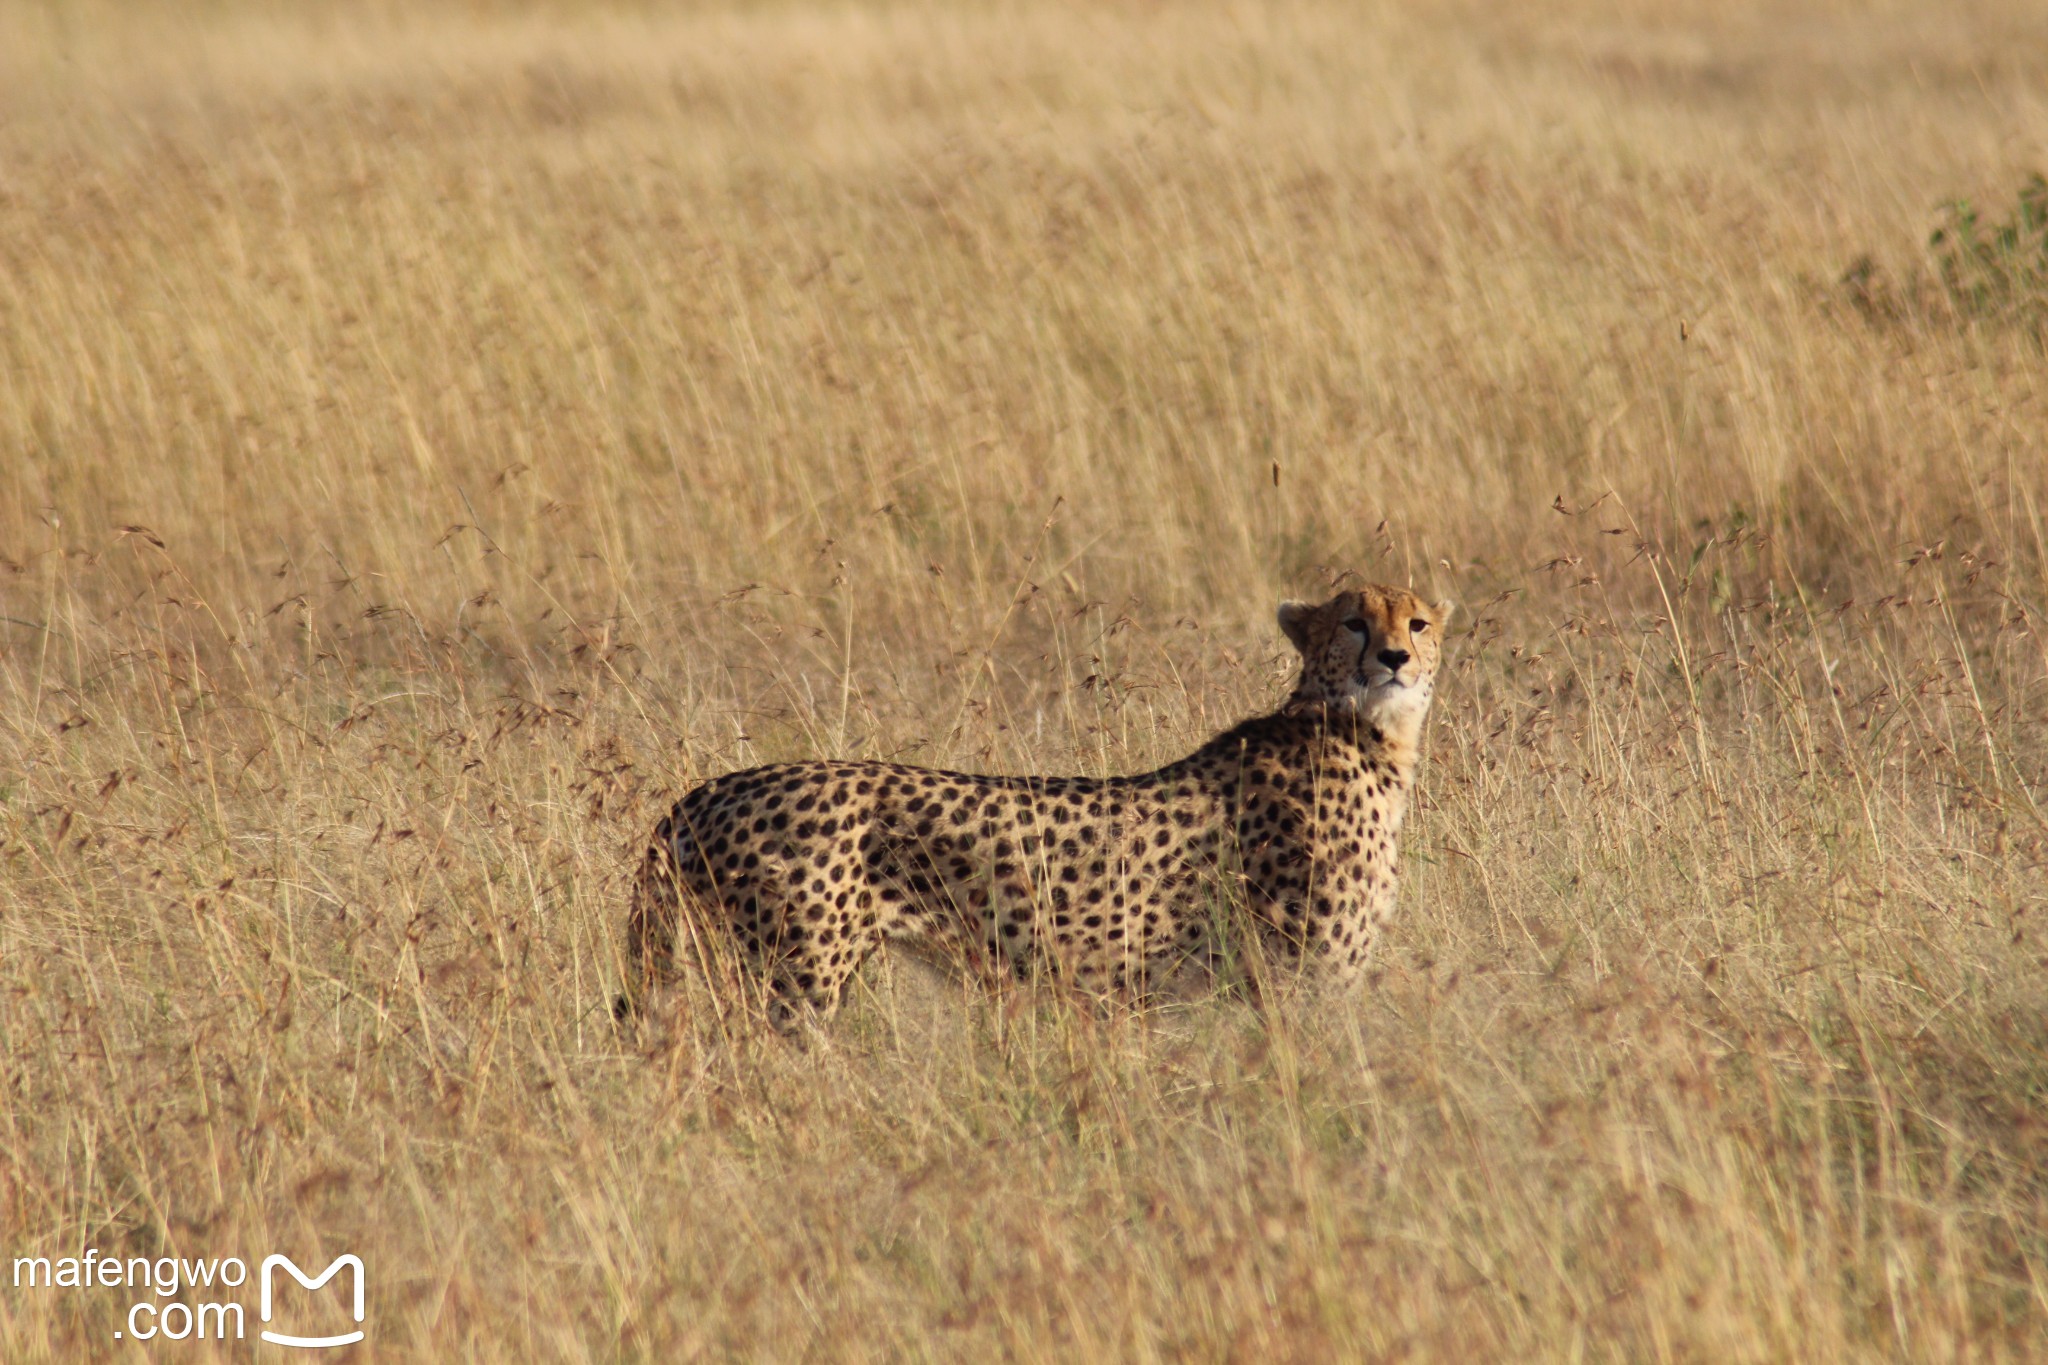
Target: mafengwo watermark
x=161, y=1287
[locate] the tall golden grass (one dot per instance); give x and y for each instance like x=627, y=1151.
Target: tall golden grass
x=433, y=436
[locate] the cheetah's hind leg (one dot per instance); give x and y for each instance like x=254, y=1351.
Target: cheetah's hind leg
x=813, y=950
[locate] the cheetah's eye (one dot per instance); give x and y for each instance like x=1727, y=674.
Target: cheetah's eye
x=1356, y=623
x=1417, y=626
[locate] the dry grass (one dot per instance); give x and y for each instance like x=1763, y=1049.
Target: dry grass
x=531, y=412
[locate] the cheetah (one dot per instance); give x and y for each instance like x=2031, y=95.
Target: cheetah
x=1116, y=885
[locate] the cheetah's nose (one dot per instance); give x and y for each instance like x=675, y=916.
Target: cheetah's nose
x=1394, y=658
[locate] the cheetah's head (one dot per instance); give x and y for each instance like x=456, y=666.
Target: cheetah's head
x=1372, y=651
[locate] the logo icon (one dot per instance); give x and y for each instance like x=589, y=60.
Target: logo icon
x=339, y=1263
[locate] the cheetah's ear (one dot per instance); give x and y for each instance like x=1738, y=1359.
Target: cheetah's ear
x=1294, y=618
x=1445, y=610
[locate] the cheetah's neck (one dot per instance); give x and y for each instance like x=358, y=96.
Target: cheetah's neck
x=1319, y=737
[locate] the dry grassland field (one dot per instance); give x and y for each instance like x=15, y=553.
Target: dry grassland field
x=435, y=436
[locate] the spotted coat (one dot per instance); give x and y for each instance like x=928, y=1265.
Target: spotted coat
x=1274, y=839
